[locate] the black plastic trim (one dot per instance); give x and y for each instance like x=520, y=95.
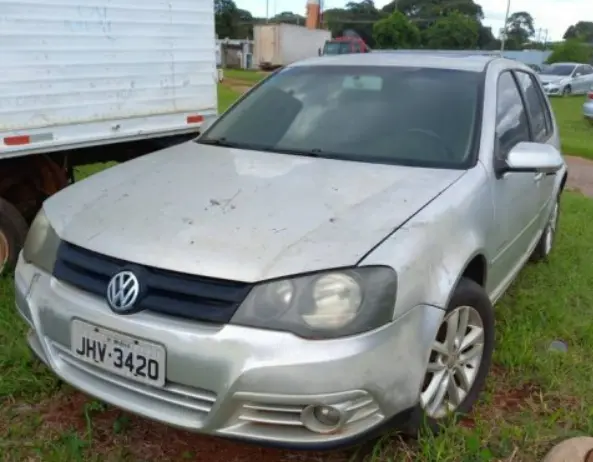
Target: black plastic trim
x=167, y=292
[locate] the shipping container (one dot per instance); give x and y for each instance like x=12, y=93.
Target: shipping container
x=75, y=73
x=84, y=81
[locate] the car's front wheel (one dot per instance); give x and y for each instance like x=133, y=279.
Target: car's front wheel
x=567, y=90
x=459, y=360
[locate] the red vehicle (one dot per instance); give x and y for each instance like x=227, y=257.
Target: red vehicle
x=344, y=45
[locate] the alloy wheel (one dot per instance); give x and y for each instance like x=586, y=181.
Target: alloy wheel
x=454, y=362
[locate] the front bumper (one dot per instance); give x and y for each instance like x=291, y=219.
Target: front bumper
x=553, y=90
x=233, y=381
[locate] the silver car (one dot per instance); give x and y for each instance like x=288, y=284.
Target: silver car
x=567, y=78
x=588, y=106
x=319, y=265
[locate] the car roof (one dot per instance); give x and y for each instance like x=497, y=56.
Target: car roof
x=457, y=60
x=565, y=64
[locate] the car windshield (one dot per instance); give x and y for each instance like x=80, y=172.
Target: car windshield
x=336, y=48
x=394, y=115
x=560, y=69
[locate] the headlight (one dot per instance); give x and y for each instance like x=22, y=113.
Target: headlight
x=323, y=305
x=41, y=245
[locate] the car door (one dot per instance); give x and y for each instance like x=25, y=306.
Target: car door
x=588, y=77
x=579, y=81
x=517, y=198
x=542, y=131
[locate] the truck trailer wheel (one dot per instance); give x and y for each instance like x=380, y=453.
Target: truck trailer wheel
x=13, y=231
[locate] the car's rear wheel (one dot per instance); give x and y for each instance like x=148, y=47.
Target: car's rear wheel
x=459, y=360
x=546, y=243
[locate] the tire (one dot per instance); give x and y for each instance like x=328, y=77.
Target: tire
x=13, y=231
x=546, y=243
x=468, y=297
x=567, y=90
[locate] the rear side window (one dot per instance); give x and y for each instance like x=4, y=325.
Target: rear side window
x=539, y=115
x=512, y=125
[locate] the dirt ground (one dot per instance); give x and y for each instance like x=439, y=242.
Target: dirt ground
x=240, y=86
x=580, y=175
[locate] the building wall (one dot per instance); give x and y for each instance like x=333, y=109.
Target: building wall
x=528, y=56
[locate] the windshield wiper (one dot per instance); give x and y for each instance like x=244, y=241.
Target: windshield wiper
x=218, y=142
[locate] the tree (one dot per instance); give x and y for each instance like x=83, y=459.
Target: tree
x=582, y=30
x=572, y=50
x=486, y=39
x=244, y=29
x=454, y=32
x=396, y=31
x=288, y=17
x=356, y=16
x=518, y=30
x=426, y=12
x=226, y=18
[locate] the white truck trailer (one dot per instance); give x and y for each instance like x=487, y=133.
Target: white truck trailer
x=84, y=82
x=277, y=45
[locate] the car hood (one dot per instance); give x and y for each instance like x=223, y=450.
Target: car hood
x=241, y=215
x=551, y=78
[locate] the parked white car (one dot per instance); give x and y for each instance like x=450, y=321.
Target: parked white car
x=567, y=78
x=588, y=106
x=321, y=264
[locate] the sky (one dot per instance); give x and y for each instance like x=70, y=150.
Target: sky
x=553, y=16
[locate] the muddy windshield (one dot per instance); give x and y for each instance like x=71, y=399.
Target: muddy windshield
x=385, y=114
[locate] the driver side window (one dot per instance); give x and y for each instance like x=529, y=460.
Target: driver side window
x=512, y=125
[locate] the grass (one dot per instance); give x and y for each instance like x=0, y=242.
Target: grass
x=576, y=133
x=246, y=76
x=534, y=396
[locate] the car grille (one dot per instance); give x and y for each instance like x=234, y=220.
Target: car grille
x=167, y=292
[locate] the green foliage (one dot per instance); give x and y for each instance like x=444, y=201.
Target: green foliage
x=582, y=30
x=519, y=30
x=571, y=50
x=427, y=11
x=396, y=31
x=454, y=31
x=232, y=22
x=357, y=16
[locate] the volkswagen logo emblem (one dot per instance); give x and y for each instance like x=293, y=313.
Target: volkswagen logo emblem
x=123, y=291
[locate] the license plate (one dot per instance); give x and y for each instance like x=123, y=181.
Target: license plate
x=123, y=355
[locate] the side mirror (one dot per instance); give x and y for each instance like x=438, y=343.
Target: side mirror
x=534, y=157
x=577, y=74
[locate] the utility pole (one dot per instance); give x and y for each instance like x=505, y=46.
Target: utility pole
x=267, y=10
x=504, y=30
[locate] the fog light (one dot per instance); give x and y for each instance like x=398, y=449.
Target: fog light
x=323, y=418
x=327, y=415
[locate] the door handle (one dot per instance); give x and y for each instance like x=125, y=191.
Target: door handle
x=538, y=177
